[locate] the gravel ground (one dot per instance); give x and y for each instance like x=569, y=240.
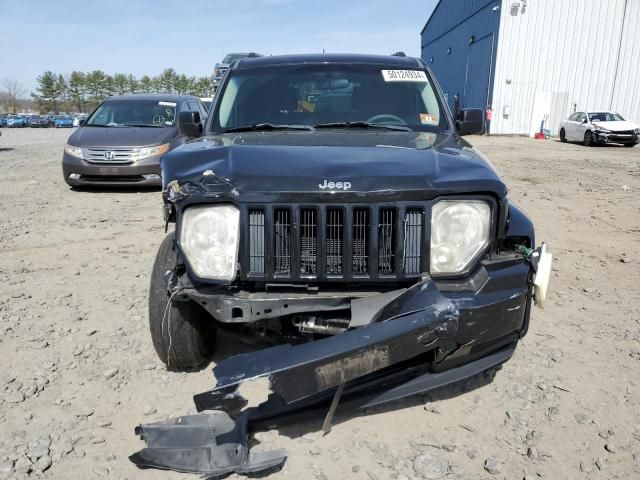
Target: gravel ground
x=79, y=372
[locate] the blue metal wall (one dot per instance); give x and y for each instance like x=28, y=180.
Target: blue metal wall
x=459, y=44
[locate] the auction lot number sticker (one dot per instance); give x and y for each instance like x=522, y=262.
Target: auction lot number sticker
x=404, y=76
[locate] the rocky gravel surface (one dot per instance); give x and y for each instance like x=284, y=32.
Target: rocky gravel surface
x=78, y=371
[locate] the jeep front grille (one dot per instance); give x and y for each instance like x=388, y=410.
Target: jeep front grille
x=333, y=242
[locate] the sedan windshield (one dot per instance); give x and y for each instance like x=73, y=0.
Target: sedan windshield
x=329, y=96
x=133, y=113
x=604, y=117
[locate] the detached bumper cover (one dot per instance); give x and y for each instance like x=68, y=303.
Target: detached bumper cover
x=207, y=444
x=419, y=341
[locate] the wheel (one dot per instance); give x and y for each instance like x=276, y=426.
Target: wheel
x=588, y=138
x=563, y=136
x=183, y=334
x=630, y=144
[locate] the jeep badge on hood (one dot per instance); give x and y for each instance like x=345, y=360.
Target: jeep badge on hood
x=334, y=185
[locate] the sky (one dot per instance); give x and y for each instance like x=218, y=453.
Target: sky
x=145, y=36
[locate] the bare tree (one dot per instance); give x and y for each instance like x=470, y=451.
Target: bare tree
x=12, y=91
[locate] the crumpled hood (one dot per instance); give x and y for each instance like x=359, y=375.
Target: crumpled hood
x=304, y=162
x=617, y=126
x=120, y=136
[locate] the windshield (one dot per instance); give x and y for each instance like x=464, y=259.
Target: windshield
x=134, y=113
x=312, y=95
x=604, y=117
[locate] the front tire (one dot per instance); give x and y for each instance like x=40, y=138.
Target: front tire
x=182, y=332
x=563, y=136
x=588, y=139
x=629, y=145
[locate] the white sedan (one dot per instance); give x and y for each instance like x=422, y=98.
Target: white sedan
x=592, y=128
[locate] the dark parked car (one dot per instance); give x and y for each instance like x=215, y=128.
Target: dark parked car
x=3, y=119
x=38, y=121
x=221, y=68
x=123, y=139
x=332, y=202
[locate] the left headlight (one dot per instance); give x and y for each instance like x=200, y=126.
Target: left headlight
x=146, y=152
x=209, y=238
x=73, y=151
x=460, y=231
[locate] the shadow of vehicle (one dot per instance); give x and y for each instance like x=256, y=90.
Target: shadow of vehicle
x=115, y=189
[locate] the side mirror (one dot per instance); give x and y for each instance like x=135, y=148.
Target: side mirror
x=470, y=121
x=584, y=120
x=82, y=122
x=189, y=124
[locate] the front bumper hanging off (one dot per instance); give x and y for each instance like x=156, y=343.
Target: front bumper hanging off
x=427, y=336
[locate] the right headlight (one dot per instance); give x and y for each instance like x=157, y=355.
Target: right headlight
x=460, y=231
x=73, y=151
x=209, y=237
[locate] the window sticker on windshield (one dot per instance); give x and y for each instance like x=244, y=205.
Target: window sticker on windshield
x=428, y=119
x=404, y=76
x=167, y=104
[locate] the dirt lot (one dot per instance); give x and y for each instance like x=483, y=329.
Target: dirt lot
x=79, y=372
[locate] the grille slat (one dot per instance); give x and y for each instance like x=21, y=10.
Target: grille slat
x=360, y=248
x=308, y=242
x=372, y=243
x=282, y=231
x=256, y=241
x=386, y=242
x=334, y=247
x=412, y=240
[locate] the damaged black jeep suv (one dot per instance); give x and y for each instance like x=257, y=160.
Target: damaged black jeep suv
x=330, y=202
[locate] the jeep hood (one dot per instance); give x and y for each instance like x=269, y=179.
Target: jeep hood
x=380, y=162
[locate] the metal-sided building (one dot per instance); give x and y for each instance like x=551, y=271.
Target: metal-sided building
x=536, y=61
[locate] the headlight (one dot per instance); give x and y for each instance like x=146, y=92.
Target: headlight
x=601, y=129
x=147, y=152
x=209, y=240
x=73, y=151
x=459, y=233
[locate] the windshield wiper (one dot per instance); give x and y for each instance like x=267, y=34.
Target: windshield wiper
x=267, y=127
x=363, y=124
x=142, y=125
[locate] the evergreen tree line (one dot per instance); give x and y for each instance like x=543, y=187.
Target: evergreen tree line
x=82, y=92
